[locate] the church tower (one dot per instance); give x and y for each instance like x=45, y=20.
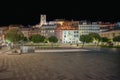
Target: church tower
x=42, y=20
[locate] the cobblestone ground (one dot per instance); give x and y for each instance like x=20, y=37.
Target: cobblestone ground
x=60, y=66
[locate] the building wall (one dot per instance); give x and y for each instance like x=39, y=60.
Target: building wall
x=25, y=31
x=30, y=31
x=110, y=34
x=48, y=30
x=70, y=36
x=86, y=28
x=58, y=34
x=106, y=26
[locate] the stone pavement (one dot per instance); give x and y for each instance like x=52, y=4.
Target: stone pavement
x=60, y=66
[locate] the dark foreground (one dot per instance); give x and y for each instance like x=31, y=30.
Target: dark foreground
x=83, y=65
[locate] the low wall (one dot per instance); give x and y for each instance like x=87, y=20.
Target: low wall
x=27, y=49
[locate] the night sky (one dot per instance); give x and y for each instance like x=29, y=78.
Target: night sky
x=29, y=13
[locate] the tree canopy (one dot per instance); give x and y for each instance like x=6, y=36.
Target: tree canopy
x=14, y=35
x=37, y=38
x=53, y=39
x=95, y=36
x=85, y=39
x=104, y=39
x=116, y=39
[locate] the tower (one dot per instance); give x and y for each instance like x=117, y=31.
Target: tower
x=42, y=20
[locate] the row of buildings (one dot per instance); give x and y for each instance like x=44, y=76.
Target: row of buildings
x=67, y=31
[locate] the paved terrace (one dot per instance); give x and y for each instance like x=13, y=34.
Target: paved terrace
x=78, y=65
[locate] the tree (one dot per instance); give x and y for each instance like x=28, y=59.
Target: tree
x=25, y=38
x=14, y=35
x=104, y=39
x=85, y=39
x=37, y=38
x=116, y=39
x=95, y=37
x=53, y=39
x=46, y=40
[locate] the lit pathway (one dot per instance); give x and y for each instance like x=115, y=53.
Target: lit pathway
x=62, y=50
x=49, y=50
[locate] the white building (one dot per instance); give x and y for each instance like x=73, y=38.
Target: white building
x=88, y=27
x=70, y=36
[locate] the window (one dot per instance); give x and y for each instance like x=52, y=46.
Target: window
x=64, y=35
x=75, y=35
x=65, y=32
x=75, y=31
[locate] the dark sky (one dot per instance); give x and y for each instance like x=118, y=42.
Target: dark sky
x=29, y=13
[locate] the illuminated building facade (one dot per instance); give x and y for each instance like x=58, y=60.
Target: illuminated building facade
x=88, y=27
x=25, y=31
x=112, y=32
x=48, y=30
x=105, y=26
x=68, y=32
x=70, y=36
